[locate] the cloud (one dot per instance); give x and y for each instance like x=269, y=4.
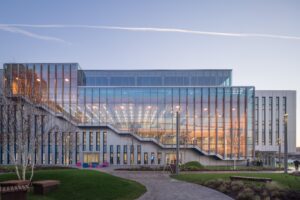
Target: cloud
x=14, y=29
x=156, y=29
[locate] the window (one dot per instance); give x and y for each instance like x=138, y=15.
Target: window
x=145, y=158
x=118, y=154
x=131, y=154
x=49, y=149
x=77, y=147
x=284, y=105
x=122, y=81
x=284, y=108
x=139, y=154
x=152, y=158
x=104, y=146
x=84, y=141
x=256, y=119
x=149, y=81
x=176, y=81
x=111, y=154
x=264, y=121
x=97, y=141
x=270, y=120
x=63, y=148
x=101, y=81
x=91, y=141
x=159, y=158
x=56, y=148
x=125, y=155
x=277, y=120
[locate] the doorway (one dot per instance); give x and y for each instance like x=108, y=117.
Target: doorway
x=91, y=157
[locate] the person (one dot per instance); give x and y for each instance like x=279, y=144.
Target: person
x=152, y=159
x=296, y=163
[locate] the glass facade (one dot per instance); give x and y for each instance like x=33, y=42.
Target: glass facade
x=156, y=77
x=215, y=117
x=51, y=85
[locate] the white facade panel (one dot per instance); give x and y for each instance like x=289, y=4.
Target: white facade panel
x=273, y=112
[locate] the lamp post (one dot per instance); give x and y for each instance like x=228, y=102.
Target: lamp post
x=177, y=142
x=285, y=143
x=279, y=152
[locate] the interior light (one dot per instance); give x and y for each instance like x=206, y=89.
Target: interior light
x=66, y=79
x=38, y=80
x=205, y=109
x=95, y=107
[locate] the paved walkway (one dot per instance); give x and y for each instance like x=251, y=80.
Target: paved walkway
x=161, y=187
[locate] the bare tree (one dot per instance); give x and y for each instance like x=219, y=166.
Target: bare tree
x=68, y=141
x=23, y=128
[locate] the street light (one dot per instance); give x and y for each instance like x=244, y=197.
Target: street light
x=279, y=151
x=285, y=143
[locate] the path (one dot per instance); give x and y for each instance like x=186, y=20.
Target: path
x=161, y=187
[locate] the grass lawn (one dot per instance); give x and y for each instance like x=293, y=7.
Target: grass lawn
x=241, y=168
x=85, y=184
x=287, y=181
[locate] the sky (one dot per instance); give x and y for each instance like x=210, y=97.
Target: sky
x=259, y=40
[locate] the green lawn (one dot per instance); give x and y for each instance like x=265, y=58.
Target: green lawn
x=287, y=181
x=85, y=184
x=241, y=168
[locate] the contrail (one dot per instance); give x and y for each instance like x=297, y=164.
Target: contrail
x=14, y=29
x=157, y=29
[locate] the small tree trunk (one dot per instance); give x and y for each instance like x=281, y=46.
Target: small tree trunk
x=32, y=171
x=17, y=171
x=24, y=172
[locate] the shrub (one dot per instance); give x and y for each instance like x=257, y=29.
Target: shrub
x=246, y=194
x=256, y=188
x=236, y=186
x=275, y=194
x=256, y=197
x=291, y=195
x=223, y=188
x=264, y=194
x=215, y=183
x=273, y=186
x=193, y=166
x=210, y=183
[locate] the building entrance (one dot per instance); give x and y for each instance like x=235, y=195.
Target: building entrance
x=171, y=158
x=91, y=157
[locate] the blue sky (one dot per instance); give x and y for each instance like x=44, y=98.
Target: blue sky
x=268, y=61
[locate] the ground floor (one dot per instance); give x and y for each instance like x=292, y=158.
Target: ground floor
x=106, y=146
x=268, y=158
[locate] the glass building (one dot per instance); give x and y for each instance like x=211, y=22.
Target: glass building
x=216, y=118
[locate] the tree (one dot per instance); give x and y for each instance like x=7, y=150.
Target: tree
x=23, y=128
